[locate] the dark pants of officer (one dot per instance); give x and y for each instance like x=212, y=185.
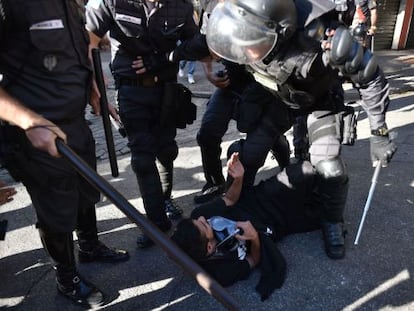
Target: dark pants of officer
x=139, y=109
x=221, y=108
x=63, y=200
x=300, y=137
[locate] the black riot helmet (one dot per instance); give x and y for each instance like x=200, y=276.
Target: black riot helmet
x=246, y=31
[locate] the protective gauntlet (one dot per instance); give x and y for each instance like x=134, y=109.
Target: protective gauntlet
x=382, y=149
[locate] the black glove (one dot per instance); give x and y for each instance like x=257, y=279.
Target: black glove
x=155, y=62
x=382, y=149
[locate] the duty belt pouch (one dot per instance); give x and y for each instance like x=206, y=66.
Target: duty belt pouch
x=177, y=109
x=347, y=122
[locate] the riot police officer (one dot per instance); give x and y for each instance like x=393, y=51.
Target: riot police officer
x=143, y=36
x=254, y=119
x=301, y=46
x=45, y=74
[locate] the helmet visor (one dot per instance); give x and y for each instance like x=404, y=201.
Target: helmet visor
x=239, y=36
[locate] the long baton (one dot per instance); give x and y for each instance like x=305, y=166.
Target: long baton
x=207, y=283
x=99, y=77
x=368, y=202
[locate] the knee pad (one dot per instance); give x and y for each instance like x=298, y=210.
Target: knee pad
x=142, y=163
x=236, y=146
x=333, y=168
x=168, y=153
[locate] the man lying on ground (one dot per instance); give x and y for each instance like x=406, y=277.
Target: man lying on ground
x=231, y=235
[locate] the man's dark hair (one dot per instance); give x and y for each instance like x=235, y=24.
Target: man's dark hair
x=187, y=236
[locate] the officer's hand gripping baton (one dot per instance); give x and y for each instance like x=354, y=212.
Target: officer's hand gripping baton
x=368, y=202
x=208, y=284
x=99, y=77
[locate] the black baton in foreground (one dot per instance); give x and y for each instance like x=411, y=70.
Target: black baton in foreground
x=207, y=283
x=99, y=77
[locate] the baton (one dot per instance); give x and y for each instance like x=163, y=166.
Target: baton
x=207, y=283
x=368, y=202
x=97, y=66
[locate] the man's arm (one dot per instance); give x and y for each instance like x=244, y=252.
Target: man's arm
x=374, y=17
x=41, y=132
x=6, y=193
x=236, y=170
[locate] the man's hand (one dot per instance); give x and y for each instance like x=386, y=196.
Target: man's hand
x=43, y=136
x=149, y=63
x=372, y=30
x=249, y=232
x=94, y=99
x=6, y=193
x=139, y=66
x=234, y=167
x=382, y=149
x=219, y=79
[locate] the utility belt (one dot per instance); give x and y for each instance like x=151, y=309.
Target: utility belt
x=347, y=125
x=146, y=81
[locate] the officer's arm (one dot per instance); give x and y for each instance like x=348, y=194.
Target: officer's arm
x=41, y=132
x=359, y=64
x=236, y=170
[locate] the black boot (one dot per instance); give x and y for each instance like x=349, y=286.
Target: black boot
x=143, y=241
x=90, y=248
x=59, y=247
x=334, y=239
x=97, y=251
x=212, y=167
x=166, y=171
x=209, y=192
x=172, y=210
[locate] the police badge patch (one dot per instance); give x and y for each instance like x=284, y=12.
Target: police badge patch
x=50, y=62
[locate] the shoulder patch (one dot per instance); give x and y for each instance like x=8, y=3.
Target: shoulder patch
x=94, y=4
x=2, y=11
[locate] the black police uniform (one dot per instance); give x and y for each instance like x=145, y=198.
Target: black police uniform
x=44, y=64
x=260, y=117
x=136, y=29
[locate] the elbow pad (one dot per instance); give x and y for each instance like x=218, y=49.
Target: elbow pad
x=350, y=58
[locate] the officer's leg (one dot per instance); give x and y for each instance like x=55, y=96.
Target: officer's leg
x=281, y=151
x=300, y=138
x=166, y=155
x=59, y=247
x=332, y=180
x=90, y=248
x=276, y=119
x=55, y=201
x=214, y=125
x=139, y=112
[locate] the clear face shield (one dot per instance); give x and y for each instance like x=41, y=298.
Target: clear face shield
x=239, y=36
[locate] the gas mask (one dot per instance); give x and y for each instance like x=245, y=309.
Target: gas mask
x=224, y=231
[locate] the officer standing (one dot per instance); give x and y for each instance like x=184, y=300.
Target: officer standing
x=45, y=74
x=143, y=35
x=282, y=41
